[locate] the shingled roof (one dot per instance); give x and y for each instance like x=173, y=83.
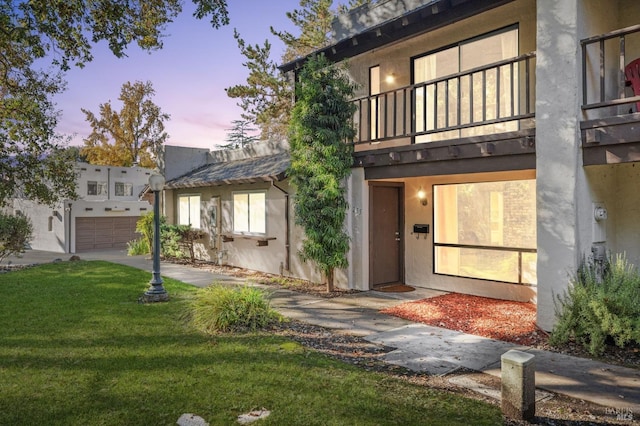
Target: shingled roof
x=247, y=170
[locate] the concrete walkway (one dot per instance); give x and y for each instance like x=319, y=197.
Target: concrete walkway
x=419, y=347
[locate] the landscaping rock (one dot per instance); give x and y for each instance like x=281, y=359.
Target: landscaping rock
x=191, y=420
x=253, y=416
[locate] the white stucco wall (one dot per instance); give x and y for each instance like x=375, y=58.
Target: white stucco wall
x=136, y=176
x=44, y=237
x=54, y=227
x=561, y=185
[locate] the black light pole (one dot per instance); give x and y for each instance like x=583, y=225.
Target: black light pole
x=156, y=292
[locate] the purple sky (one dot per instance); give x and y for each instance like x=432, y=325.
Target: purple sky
x=189, y=74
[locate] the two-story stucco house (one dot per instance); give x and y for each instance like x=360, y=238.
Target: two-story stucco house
x=103, y=217
x=498, y=143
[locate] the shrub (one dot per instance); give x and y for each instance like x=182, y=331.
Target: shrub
x=144, y=227
x=170, y=241
x=15, y=233
x=600, y=304
x=226, y=309
x=188, y=237
x=137, y=247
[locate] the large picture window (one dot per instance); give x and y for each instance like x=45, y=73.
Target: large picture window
x=189, y=210
x=249, y=212
x=482, y=96
x=486, y=230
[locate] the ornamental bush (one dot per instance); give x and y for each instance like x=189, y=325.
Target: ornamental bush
x=601, y=304
x=230, y=309
x=15, y=233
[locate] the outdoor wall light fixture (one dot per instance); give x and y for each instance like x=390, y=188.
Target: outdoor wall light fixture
x=422, y=196
x=390, y=78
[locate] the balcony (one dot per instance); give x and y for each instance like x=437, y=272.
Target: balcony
x=610, y=107
x=483, y=112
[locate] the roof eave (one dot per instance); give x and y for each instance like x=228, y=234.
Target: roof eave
x=423, y=19
x=256, y=179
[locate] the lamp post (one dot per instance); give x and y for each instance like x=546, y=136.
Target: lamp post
x=156, y=291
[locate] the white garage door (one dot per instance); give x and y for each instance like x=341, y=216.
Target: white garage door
x=102, y=233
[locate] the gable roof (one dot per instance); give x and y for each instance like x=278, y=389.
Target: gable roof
x=247, y=170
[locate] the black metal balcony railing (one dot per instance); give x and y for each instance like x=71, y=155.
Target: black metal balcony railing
x=469, y=101
x=604, y=58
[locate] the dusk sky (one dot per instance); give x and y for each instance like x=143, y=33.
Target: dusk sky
x=189, y=74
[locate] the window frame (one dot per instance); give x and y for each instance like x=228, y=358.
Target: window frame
x=125, y=186
x=99, y=185
x=235, y=230
x=179, y=210
x=522, y=251
x=445, y=133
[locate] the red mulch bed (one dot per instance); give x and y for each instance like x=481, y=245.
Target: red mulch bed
x=497, y=319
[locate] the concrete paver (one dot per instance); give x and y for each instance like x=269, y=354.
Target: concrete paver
x=418, y=347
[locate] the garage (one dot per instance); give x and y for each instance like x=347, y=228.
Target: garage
x=103, y=233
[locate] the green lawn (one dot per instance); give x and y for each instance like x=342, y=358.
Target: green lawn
x=77, y=349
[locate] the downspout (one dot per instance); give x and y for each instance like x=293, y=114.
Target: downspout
x=67, y=215
x=287, y=243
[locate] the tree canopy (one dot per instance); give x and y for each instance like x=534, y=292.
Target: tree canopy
x=314, y=21
x=321, y=125
x=38, y=41
x=132, y=136
x=238, y=136
x=266, y=97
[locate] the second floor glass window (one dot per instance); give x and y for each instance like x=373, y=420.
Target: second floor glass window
x=96, y=188
x=475, y=98
x=124, y=189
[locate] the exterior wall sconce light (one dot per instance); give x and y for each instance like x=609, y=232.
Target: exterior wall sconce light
x=422, y=196
x=390, y=78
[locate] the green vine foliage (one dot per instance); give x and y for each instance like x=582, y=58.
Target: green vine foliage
x=602, y=303
x=144, y=227
x=321, y=157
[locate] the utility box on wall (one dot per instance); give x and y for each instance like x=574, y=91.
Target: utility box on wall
x=421, y=228
x=599, y=223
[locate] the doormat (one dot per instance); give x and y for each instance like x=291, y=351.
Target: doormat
x=395, y=288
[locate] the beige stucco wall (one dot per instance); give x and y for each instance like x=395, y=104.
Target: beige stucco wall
x=616, y=186
x=396, y=58
x=418, y=252
x=244, y=252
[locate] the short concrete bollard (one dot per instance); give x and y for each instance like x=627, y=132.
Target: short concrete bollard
x=518, y=385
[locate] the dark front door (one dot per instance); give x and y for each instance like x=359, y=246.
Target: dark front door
x=385, y=234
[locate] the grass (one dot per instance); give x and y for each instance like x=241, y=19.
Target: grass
x=77, y=349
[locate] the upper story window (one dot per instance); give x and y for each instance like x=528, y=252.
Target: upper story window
x=375, y=113
x=124, y=189
x=250, y=212
x=478, y=97
x=96, y=188
x=189, y=210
